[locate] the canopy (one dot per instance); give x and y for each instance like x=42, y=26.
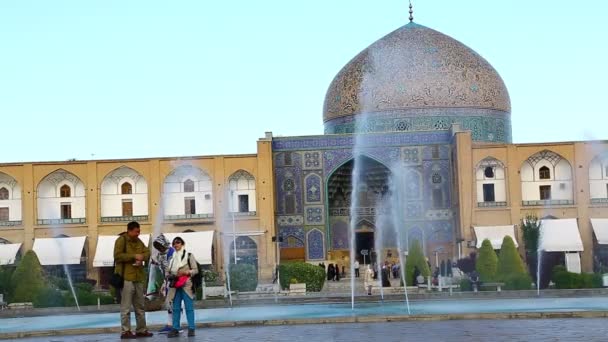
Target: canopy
x=8, y=253
x=104, y=253
x=495, y=234
x=197, y=243
x=600, y=228
x=560, y=235
x=59, y=251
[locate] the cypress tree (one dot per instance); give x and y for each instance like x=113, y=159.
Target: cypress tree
x=509, y=261
x=27, y=280
x=415, y=258
x=487, y=262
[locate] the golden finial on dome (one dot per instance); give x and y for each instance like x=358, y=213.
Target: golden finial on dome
x=411, y=12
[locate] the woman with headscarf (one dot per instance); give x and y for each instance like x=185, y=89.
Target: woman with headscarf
x=181, y=269
x=165, y=252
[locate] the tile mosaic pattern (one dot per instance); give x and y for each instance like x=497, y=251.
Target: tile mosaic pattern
x=315, y=245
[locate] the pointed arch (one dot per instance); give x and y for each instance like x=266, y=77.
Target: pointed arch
x=315, y=248
x=126, y=188
x=491, y=183
x=61, y=199
x=4, y=193
x=181, y=203
x=546, y=179
x=124, y=196
x=10, y=197
x=313, y=187
x=598, y=178
x=242, y=192
x=65, y=191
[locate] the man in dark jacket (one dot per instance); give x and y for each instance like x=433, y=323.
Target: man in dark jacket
x=130, y=253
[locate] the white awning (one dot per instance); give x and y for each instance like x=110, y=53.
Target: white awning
x=600, y=228
x=8, y=253
x=495, y=234
x=104, y=253
x=59, y=251
x=197, y=243
x=560, y=235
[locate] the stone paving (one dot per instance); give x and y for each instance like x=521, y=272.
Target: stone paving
x=537, y=330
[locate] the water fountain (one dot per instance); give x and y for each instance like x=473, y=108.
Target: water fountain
x=228, y=227
x=67, y=274
x=66, y=269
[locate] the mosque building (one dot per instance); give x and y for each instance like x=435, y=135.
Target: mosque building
x=416, y=102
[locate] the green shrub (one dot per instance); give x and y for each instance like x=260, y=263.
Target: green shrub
x=105, y=299
x=212, y=278
x=27, y=280
x=85, y=287
x=520, y=281
x=509, y=261
x=5, y=281
x=243, y=277
x=487, y=262
x=313, y=276
x=465, y=285
x=49, y=297
x=59, y=283
x=568, y=280
x=415, y=258
x=596, y=280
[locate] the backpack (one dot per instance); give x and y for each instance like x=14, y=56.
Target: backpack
x=197, y=279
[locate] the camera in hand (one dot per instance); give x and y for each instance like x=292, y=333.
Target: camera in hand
x=172, y=279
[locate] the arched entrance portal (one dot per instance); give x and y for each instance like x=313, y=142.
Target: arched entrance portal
x=246, y=251
x=372, y=185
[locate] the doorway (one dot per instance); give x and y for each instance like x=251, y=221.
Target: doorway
x=364, y=241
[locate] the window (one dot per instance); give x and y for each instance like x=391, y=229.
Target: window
x=65, y=191
x=437, y=198
x=3, y=194
x=290, y=204
x=189, y=206
x=606, y=175
x=488, y=193
x=606, y=190
x=243, y=203
x=66, y=210
x=189, y=185
x=127, y=208
x=545, y=192
x=544, y=173
x=4, y=214
x=126, y=188
x=489, y=172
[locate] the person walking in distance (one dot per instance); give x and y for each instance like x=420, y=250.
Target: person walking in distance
x=130, y=253
x=356, y=268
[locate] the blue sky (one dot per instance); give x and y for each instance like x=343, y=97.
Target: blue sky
x=134, y=79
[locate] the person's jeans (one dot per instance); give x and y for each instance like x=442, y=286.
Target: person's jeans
x=180, y=295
